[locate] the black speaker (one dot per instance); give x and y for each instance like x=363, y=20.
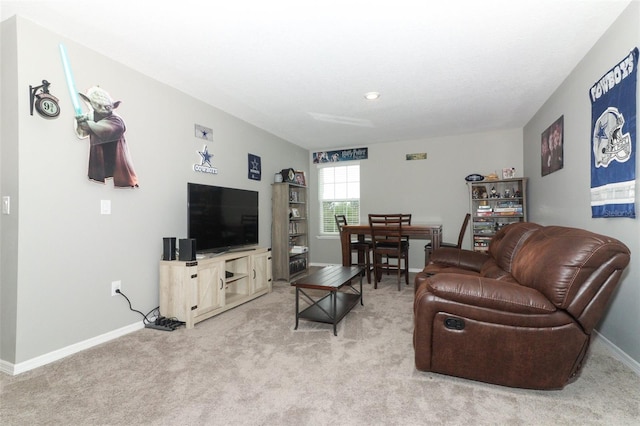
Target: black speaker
x=169, y=248
x=187, y=249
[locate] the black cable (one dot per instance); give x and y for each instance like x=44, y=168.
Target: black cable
x=145, y=320
x=156, y=309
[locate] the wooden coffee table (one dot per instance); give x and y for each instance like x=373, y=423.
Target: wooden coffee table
x=334, y=305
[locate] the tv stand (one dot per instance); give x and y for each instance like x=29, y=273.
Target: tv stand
x=193, y=291
x=238, y=249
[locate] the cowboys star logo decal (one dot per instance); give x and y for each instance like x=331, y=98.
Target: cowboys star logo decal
x=205, y=165
x=206, y=157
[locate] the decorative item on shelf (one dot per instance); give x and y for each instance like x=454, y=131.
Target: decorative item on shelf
x=295, y=212
x=45, y=103
x=474, y=177
x=509, y=173
x=277, y=178
x=491, y=176
x=299, y=178
x=288, y=175
x=482, y=191
x=494, y=193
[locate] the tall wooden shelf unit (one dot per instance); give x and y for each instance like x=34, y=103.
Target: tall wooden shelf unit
x=289, y=231
x=494, y=204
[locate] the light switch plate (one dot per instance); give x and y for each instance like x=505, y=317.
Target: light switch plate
x=6, y=204
x=105, y=206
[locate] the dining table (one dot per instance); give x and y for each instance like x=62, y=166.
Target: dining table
x=419, y=231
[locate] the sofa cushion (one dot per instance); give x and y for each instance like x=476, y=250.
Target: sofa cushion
x=445, y=258
x=558, y=261
x=504, y=246
x=489, y=293
x=491, y=270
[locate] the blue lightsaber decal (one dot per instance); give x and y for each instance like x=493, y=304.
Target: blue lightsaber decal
x=71, y=84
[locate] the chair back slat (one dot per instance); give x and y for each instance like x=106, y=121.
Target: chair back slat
x=341, y=220
x=389, y=242
x=463, y=229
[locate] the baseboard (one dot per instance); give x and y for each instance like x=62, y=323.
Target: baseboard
x=617, y=353
x=14, y=369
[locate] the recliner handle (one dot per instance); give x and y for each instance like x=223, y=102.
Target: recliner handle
x=454, y=323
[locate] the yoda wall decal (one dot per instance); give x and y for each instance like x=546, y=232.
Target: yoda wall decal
x=108, y=152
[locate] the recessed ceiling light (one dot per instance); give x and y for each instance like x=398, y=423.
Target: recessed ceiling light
x=371, y=96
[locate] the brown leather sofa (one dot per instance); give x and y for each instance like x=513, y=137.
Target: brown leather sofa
x=521, y=315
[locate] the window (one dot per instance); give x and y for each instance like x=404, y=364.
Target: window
x=339, y=193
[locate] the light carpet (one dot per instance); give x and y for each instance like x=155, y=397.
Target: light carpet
x=248, y=366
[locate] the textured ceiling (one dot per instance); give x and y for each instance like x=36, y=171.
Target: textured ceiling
x=300, y=69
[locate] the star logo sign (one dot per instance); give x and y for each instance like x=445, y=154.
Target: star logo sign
x=206, y=157
x=254, y=164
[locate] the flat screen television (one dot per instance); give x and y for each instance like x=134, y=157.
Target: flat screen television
x=221, y=219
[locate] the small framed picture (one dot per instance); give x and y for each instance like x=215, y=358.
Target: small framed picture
x=551, y=147
x=295, y=212
x=509, y=173
x=300, y=179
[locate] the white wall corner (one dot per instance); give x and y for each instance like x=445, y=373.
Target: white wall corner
x=616, y=352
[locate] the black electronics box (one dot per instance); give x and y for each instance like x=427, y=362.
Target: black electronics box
x=187, y=250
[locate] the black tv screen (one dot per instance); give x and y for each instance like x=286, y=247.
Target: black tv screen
x=221, y=219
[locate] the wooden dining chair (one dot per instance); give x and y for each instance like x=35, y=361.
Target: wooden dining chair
x=389, y=244
x=362, y=248
x=428, y=249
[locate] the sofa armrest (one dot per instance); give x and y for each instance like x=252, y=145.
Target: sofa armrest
x=460, y=258
x=489, y=293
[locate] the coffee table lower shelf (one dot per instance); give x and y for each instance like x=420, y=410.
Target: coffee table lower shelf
x=322, y=309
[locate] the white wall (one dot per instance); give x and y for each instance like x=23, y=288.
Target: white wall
x=58, y=284
x=432, y=190
x=563, y=197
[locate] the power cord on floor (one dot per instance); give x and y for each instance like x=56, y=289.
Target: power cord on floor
x=160, y=322
x=145, y=318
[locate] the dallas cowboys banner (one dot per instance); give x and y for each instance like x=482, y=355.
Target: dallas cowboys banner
x=255, y=167
x=613, y=124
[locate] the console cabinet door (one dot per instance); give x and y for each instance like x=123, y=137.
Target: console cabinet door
x=210, y=287
x=261, y=272
x=178, y=290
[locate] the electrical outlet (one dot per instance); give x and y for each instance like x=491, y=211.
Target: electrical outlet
x=115, y=285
